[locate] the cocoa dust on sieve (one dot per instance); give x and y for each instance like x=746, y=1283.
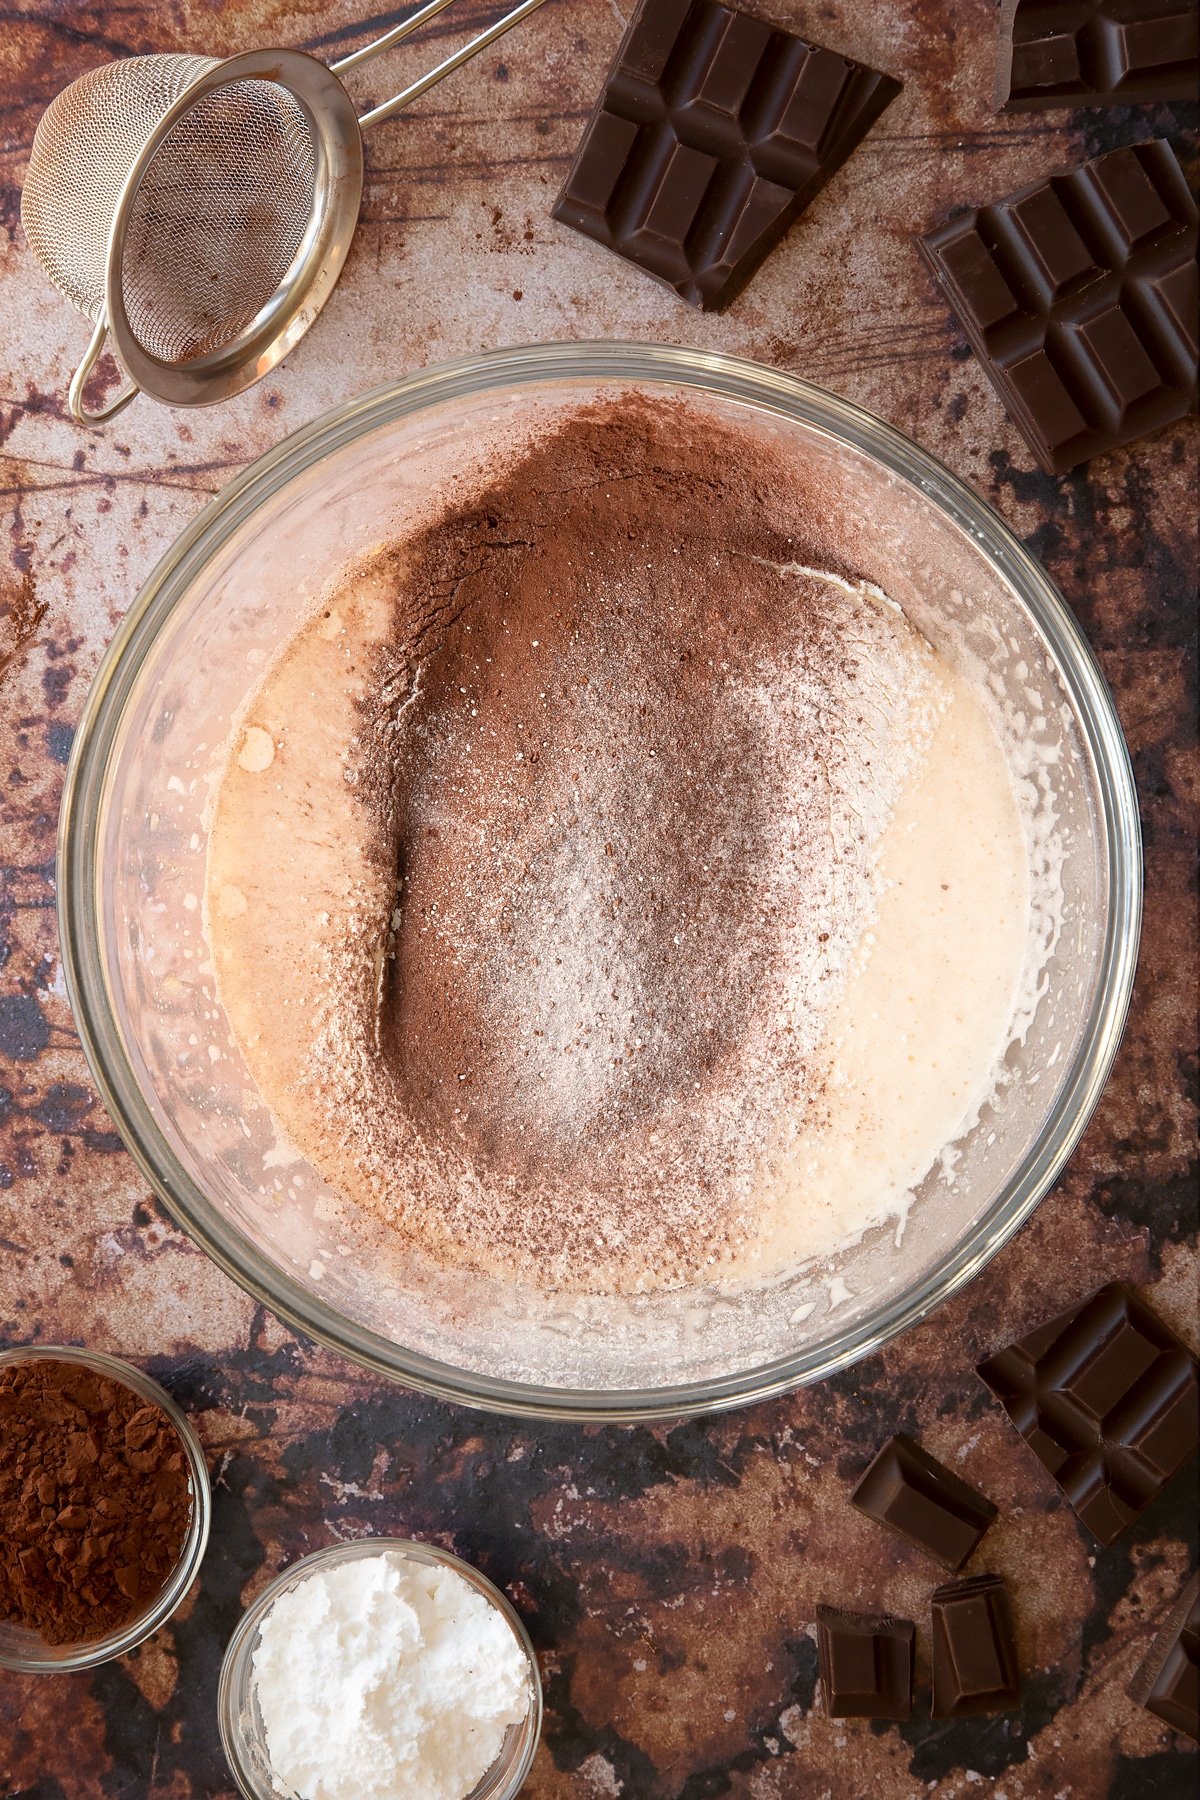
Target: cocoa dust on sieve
x=95, y=1500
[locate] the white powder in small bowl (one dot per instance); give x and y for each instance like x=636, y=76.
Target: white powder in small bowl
x=383, y=1678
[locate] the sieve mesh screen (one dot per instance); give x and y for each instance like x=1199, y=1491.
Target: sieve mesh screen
x=219, y=215
x=86, y=142
x=217, y=220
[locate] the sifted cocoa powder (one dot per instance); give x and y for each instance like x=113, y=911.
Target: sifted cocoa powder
x=569, y=841
x=95, y=1500
x=625, y=756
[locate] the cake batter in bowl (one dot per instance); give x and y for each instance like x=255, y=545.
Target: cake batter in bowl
x=600, y=880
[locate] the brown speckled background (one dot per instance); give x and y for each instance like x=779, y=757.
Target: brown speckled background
x=669, y=1576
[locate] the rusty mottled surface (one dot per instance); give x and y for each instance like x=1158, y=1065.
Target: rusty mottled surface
x=669, y=1576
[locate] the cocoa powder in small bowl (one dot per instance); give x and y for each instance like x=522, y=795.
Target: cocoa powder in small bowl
x=104, y=1507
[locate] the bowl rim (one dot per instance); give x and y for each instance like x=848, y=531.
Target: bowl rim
x=66, y=1659
x=712, y=373
x=233, y=1678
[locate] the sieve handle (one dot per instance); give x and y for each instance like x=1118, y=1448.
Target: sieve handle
x=396, y=35
x=91, y=357
x=455, y=61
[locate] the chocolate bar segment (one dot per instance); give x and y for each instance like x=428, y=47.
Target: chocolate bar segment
x=713, y=133
x=1097, y=52
x=866, y=1662
x=1107, y=1396
x=1078, y=295
x=1168, y=1682
x=974, y=1649
x=916, y=1495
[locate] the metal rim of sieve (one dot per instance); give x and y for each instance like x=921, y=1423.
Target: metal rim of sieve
x=253, y=351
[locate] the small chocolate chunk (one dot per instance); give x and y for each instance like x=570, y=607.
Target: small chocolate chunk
x=1168, y=1682
x=1078, y=295
x=1108, y=1398
x=974, y=1649
x=712, y=134
x=924, y=1501
x=866, y=1662
x=1096, y=52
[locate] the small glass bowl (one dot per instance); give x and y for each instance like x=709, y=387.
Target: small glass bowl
x=25, y=1650
x=242, y=1733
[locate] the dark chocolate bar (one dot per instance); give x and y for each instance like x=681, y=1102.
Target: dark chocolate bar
x=1168, y=1682
x=1108, y=1398
x=866, y=1662
x=1096, y=52
x=1078, y=294
x=925, y=1502
x=713, y=133
x=974, y=1649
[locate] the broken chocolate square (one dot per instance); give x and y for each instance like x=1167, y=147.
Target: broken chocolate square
x=1097, y=52
x=1168, y=1682
x=1078, y=295
x=713, y=133
x=866, y=1662
x=924, y=1501
x=1107, y=1397
x=974, y=1649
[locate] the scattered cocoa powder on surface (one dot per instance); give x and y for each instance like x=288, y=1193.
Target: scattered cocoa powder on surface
x=95, y=1500
x=21, y=612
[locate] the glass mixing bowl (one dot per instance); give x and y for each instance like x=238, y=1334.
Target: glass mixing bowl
x=151, y=746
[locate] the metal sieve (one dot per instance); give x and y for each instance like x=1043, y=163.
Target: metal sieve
x=200, y=209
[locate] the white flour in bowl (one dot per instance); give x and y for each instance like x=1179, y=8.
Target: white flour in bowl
x=386, y=1679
